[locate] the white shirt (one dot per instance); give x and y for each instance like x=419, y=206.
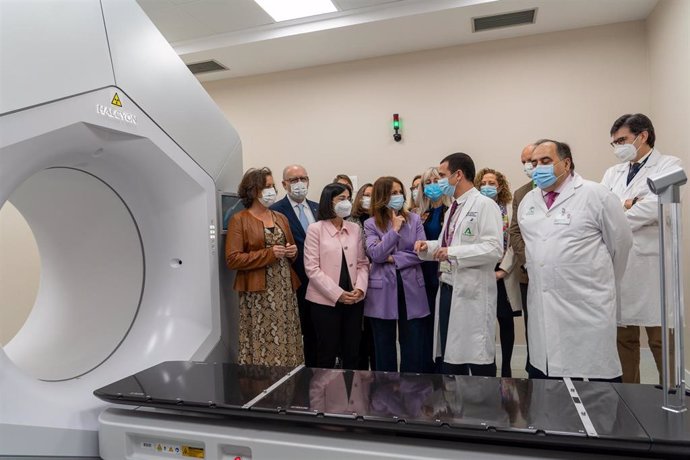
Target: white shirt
x=307, y=209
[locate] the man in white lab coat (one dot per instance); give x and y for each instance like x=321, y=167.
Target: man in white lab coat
x=633, y=141
x=576, y=244
x=470, y=245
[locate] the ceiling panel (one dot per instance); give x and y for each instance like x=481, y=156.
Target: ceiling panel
x=238, y=34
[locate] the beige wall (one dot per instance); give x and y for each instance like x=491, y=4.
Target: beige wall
x=668, y=35
x=488, y=100
x=19, y=271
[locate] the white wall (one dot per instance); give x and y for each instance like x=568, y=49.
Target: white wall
x=668, y=32
x=487, y=99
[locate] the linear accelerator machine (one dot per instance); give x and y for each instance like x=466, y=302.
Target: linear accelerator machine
x=120, y=193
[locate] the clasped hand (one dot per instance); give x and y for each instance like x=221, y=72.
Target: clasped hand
x=351, y=297
x=289, y=251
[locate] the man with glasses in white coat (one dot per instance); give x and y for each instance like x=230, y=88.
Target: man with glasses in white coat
x=576, y=245
x=633, y=140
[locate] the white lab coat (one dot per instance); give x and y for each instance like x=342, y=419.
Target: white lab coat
x=576, y=254
x=640, y=285
x=476, y=247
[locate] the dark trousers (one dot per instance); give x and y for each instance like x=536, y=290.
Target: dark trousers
x=535, y=373
x=367, y=357
x=338, y=333
x=411, y=337
x=488, y=370
x=307, y=325
x=430, y=272
x=523, y=294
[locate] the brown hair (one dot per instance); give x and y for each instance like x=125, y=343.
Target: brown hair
x=253, y=182
x=379, y=200
x=344, y=177
x=504, y=196
x=357, y=209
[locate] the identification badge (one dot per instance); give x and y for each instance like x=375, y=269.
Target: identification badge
x=444, y=267
x=563, y=218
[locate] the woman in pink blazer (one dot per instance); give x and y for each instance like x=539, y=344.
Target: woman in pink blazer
x=338, y=272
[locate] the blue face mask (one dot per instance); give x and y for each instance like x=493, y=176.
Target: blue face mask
x=488, y=190
x=396, y=202
x=544, y=176
x=446, y=188
x=433, y=191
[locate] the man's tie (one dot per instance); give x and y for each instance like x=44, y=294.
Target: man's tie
x=550, y=198
x=447, y=238
x=634, y=169
x=303, y=217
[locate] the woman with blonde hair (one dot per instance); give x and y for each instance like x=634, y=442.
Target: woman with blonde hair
x=396, y=300
x=493, y=184
x=432, y=208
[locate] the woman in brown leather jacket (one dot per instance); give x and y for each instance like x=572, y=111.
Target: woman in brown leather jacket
x=260, y=247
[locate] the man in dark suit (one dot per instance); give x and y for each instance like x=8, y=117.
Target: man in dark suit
x=300, y=212
x=516, y=237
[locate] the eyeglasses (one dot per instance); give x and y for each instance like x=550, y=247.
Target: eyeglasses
x=622, y=140
x=294, y=180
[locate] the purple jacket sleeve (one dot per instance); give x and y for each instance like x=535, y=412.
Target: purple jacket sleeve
x=413, y=230
x=379, y=247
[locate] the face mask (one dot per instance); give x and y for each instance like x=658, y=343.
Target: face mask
x=544, y=176
x=446, y=188
x=488, y=190
x=343, y=208
x=626, y=152
x=528, y=169
x=298, y=190
x=415, y=194
x=433, y=191
x=366, y=202
x=396, y=202
x=268, y=196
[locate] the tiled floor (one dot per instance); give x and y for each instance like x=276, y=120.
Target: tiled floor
x=648, y=372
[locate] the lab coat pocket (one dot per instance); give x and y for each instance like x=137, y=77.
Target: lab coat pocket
x=468, y=283
x=468, y=230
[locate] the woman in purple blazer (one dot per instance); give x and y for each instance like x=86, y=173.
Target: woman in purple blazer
x=396, y=298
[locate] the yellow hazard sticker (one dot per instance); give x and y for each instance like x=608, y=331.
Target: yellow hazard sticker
x=116, y=100
x=193, y=452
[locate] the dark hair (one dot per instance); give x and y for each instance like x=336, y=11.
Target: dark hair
x=329, y=192
x=253, y=181
x=418, y=176
x=379, y=200
x=357, y=209
x=463, y=162
x=562, y=150
x=636, y=123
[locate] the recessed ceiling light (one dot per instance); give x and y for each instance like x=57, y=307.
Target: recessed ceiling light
x=282, y=10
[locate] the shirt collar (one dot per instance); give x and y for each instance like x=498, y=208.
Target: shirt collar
x=463, y=198
x=293, y=203
x=643, y=159
x=561, y=187
x=332, y=230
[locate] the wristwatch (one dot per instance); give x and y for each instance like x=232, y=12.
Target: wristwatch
x=634, y=201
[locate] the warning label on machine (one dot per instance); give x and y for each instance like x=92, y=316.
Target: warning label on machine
x=177, y=450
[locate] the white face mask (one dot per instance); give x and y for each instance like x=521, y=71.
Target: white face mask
x=626, y=152
x=268, y=196
x=528, y=169
x=299, y=190
x=366, y=202
x=343, y=208
x=415, y=194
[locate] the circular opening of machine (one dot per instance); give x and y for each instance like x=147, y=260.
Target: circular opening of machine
x=91, y=273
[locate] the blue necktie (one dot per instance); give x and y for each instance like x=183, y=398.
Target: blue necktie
x=634, y=169
x=303, y=217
